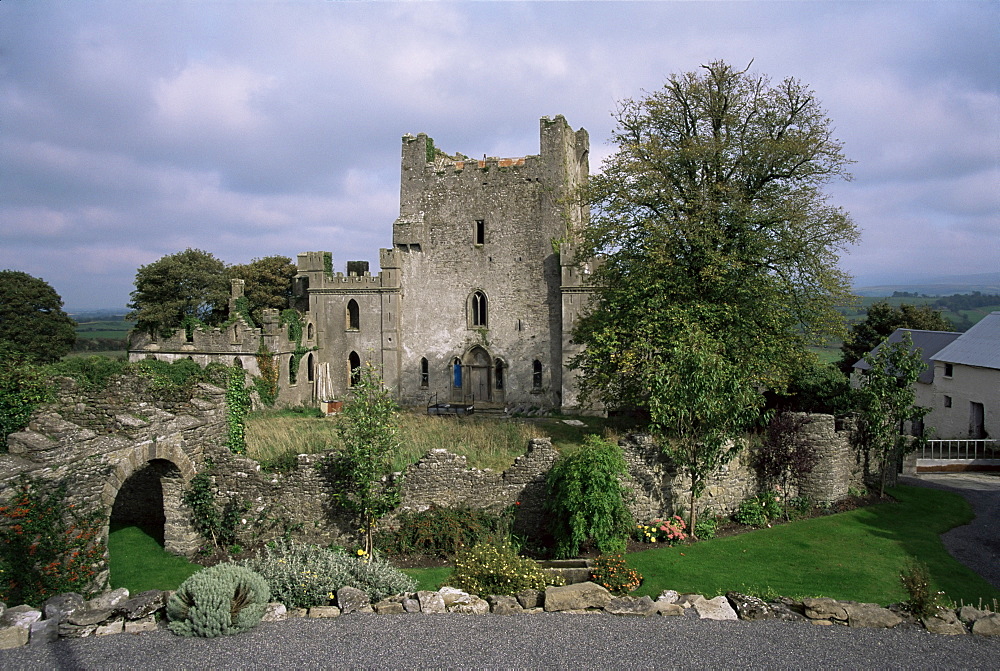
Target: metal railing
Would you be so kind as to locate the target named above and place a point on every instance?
(960, 449)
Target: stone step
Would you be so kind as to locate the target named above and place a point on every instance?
(571, 570)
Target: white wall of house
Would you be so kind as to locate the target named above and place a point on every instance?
(954, 396)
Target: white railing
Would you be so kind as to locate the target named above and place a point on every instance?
(960, 449)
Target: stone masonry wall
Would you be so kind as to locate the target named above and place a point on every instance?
(113, 447)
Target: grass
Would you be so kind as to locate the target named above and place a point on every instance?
(428, 578)
(139, 562)
(274, 438)
(855, 555)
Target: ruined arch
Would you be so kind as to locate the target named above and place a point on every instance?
(133, 482)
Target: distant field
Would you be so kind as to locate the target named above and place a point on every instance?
(96, 336)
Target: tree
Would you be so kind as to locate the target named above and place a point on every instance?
(364, 483)
(188, 285)
(715, 235)
(882, 319)
(887, 401)
(32, 320)
(268, 283)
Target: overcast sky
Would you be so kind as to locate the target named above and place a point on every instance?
(132, 130)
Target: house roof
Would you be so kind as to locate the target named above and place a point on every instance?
(979, 346)
(929, 343)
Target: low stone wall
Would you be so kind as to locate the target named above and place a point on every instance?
(69, 616)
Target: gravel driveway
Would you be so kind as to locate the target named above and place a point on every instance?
(523, 641)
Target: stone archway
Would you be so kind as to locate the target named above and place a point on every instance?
(147, 488)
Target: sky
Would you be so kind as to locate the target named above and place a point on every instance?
(132, 130)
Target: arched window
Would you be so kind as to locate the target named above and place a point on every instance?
(238, 362)
(310, 368)
(354, 366)
(536, 374)
(310, 331)
(353, 316)
(456, 366)
(424, 373)
(478, 310)
(498, 374)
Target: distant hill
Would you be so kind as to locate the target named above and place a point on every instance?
(987, 283)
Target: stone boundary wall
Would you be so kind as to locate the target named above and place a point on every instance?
(97, 441)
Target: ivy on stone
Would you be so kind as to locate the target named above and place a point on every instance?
(238, 404)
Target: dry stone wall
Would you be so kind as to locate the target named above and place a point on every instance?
(131, 455)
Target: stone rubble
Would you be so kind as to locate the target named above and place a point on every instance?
(70, 616)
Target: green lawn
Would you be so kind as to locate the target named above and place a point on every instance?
(139, 562)
(855, 555)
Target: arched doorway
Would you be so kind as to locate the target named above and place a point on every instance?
(150, 498)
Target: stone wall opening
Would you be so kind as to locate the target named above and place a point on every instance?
(151, 499)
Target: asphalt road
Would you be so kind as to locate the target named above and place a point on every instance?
(519, 641)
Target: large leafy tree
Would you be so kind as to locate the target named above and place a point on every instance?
(268, 283)
(882, 319)
(192, 284)
(720, 254)
(32, 320)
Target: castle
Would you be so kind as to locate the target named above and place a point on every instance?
(474, 303)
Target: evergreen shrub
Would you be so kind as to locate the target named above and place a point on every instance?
(218, 601)
(301, 575)
(759, 510)
(497, 569)
(442, 531)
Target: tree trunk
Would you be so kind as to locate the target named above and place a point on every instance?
(693, 519)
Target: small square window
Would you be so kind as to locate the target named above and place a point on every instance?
(949, 370)
(947, 401)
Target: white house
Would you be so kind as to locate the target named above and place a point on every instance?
(966, 386)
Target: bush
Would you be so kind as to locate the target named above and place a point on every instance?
(217, 601)
(23, 387)
(497, 569)
(706, 528)
(301, 575)
(587, 499)
(91, 372)
(46, 548)
(442, 531)
(916, 581)
(670, 531)
(759, 511)
(614, 574)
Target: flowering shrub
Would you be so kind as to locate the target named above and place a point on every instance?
(614, 574)
(670, 531)
(46, 547)
(497, 569)
(302, 575)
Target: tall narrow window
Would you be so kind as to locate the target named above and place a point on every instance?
(424, 373)
(353, 316)
(354, 364)
(478, 310)
(536, 374)
(480, 232)
(310, 331)
(498, 374)
(310, 368)
(456, 366)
